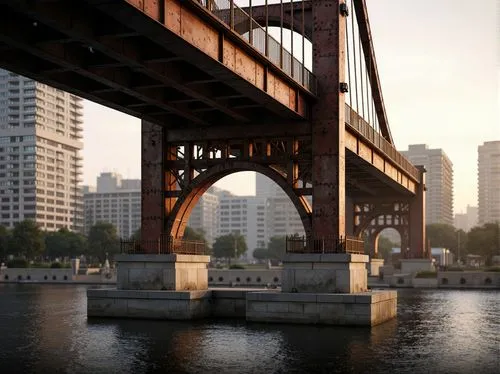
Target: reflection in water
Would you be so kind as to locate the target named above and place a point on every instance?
(45, 328)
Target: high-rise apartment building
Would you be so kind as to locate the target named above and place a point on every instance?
(439, 181)
(245, 215)
(40, 161)
(489, 182)
(282, 217)
(466, 221)
(116, 201)
(204, 215)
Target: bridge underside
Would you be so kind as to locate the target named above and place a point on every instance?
(212, 104)
(110, 53)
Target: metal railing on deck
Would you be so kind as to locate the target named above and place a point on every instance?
(251, 31)
(324, 245)
(164, 245)
(355, 121)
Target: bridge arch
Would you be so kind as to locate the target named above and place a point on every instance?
(178, 218)
(370, 219)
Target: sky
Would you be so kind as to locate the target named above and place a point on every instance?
(439, 71)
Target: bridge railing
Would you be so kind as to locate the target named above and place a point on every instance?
(355, 121)
(345, 244)
(240, 21)
(164, 245)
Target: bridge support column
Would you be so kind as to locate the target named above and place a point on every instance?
(418, 245)
(152, 181)
(328, 121)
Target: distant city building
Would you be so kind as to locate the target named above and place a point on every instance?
(40, 161)
(469, 219)
(245, 215)
(116, 201)
(204, 215)
(439, 181)
(282, 217)
(489, 182)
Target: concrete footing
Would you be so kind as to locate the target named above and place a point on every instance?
(316, 289)
(354, 309)
(173, 305)
(360, 309)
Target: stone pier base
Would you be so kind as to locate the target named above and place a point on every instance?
(173, 305)
(354, 309)
(174, 272)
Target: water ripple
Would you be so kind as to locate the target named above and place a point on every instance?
(45, 328)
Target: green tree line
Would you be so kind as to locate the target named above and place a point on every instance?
(27, 240)
(480, 240)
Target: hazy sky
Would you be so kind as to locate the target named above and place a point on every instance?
(438, 67)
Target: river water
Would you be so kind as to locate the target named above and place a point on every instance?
(44, 328)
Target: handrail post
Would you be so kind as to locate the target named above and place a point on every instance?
(231, 14)
(267, 29)
(291, 40)
(250, 30)
(281, 34)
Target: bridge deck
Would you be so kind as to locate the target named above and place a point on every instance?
(183, 66)
(188, 69)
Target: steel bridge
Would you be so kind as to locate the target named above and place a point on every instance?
(218, 93)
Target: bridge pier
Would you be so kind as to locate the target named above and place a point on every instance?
(322, 287)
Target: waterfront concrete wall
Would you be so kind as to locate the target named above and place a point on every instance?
(47, 275)
(468, 279)
(416, 265)
(229, 303)
(400, 280)
(424, 282)
(12, 275)
(245, 277)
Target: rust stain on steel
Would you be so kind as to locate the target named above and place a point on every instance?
(173, 16)
(229, 55)
(152, 8)
(199, 34)
(301, 105)
(245, 65)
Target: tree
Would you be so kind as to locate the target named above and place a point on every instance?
(103, 239)
(65, 243)
(276, 247)
(484, 240)
(229, 246)
(197, 235)
(5, 236)
(27, 239)
(384, 247)
(194, 234)
(261, 253)
(442, 235)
